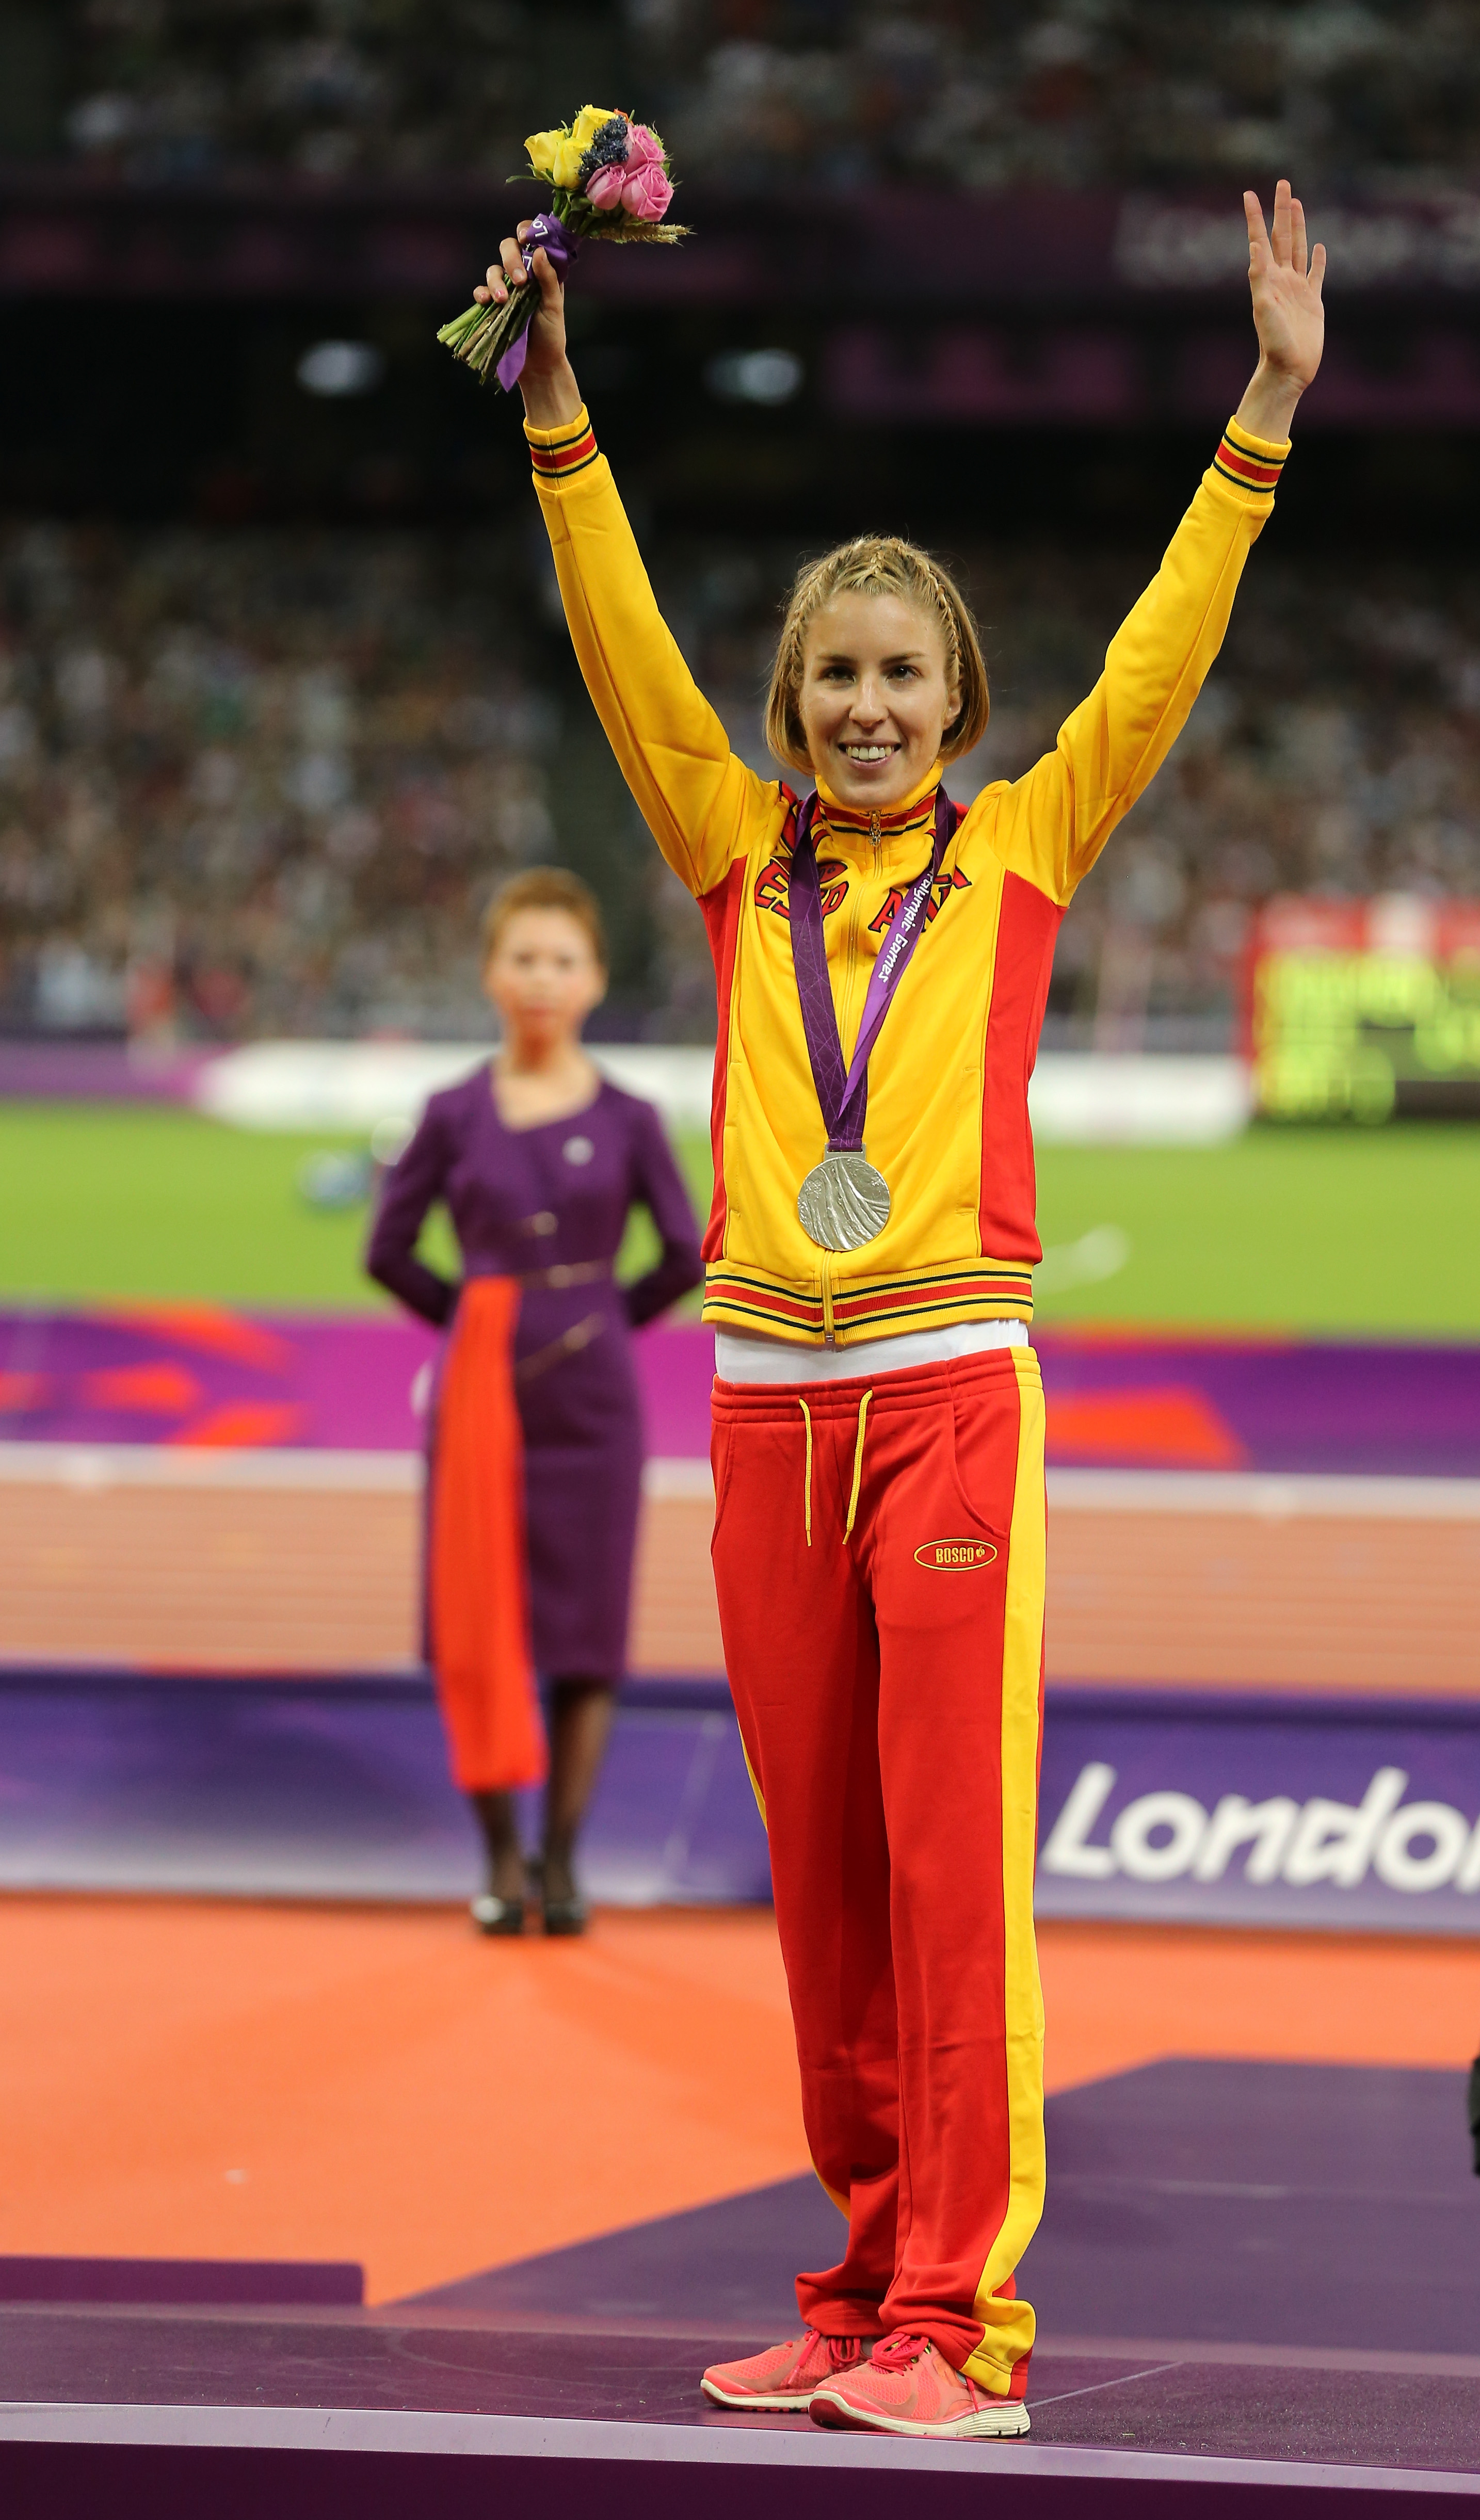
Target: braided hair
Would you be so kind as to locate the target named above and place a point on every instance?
(876, 565)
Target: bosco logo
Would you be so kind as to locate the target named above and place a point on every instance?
(952, 1555)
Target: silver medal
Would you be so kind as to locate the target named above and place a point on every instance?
(843, 1202)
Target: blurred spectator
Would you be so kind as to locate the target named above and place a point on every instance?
(1334, 750)
(958, 92)
(263, 782)
(257, 784)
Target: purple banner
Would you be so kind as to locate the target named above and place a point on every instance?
(1236, 1812)
(65, 232)
(200, 1374)
(204, 1375)
(1333, 1818)
(1126, 1401)
(316, 1790)
(97, 1071)
(973, 375)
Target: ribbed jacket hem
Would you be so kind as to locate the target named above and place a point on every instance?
(864, 1308)
(558, 455)
(1248, 468)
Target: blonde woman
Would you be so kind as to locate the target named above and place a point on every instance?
(883, 961)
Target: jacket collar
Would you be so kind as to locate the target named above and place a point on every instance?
(897, 818)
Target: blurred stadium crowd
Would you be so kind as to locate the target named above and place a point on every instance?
(970, 92)
(264, 783)
(252, 784)
(262, 779)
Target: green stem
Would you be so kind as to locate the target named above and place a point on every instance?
(480, 336)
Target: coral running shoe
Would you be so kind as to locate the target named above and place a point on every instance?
(781, 2381)
(909, 2387)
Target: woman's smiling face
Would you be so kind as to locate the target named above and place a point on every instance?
(878, 694)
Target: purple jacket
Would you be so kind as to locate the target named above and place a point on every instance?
(525, 1202)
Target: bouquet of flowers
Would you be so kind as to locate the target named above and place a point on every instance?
(609, 178)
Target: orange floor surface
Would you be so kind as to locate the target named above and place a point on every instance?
(188, 2078)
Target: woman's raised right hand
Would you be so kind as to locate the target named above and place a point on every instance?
(548, 382)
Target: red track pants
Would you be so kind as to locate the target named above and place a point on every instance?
(878, 1554)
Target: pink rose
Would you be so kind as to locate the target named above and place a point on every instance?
(604, 189)
(647, 192)
(643, 148)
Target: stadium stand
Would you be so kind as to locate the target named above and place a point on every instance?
(262, 781)
(1091, 91)
(272, 721)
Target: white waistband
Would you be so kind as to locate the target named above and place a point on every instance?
(747, 1358)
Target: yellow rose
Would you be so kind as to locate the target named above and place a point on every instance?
(542, 147)
(565, 170)
(588, 123)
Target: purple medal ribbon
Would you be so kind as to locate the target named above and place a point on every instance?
(844, 1097)
(562, 247)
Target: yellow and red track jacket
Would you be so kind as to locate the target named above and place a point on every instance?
(948, 1080)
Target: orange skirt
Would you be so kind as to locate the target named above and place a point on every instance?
(478, 1586)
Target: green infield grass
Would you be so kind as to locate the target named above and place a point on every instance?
(118, 1200)
(1300, 1230)
(1316, 1229)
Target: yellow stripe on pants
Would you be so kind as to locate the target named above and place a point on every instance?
(1009, 2324)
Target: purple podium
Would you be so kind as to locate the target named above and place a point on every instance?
(1256, 2293)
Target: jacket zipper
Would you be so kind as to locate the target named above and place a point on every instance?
(830, 1334)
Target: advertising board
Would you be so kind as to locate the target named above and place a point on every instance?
(1260, 1812)
(1365, 1009)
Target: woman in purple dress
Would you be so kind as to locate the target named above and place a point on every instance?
(539, 1161)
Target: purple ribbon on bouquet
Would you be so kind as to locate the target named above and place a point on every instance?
(562, 247)
(844, 1097)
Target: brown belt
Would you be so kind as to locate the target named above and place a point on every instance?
(569, 1343)
(574, 1273)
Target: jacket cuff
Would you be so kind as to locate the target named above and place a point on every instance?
(558, 453)
(1250, 465)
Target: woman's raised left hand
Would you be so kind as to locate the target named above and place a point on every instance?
(1284, 283)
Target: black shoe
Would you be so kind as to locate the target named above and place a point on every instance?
(493, 1915)
(567, 1916)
